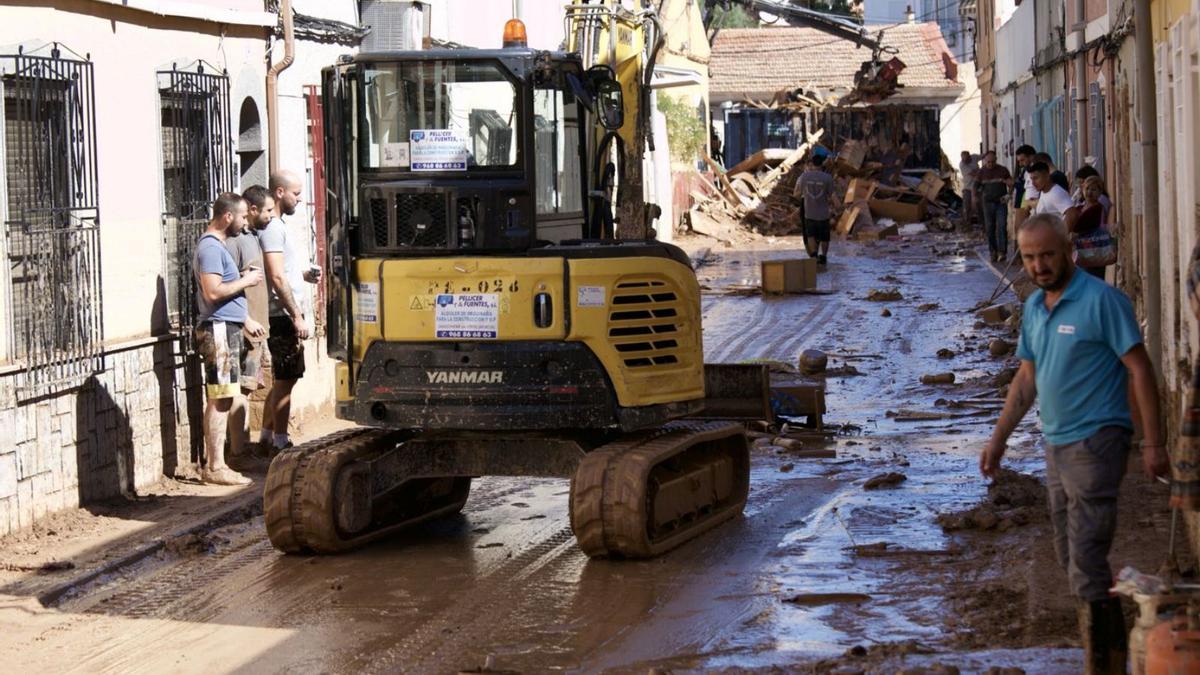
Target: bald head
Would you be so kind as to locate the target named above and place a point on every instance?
(1047, 221)
(285, 187)
(1045, 245)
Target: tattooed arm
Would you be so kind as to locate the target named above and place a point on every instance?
(1021, 394)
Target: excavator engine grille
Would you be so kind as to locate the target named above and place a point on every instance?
(643, 323)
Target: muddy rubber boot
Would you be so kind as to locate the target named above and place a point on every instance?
(1105, 640)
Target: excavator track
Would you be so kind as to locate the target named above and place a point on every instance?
(318, 496)
(643, 495)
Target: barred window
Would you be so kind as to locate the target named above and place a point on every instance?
(197, 165)
(51, 218)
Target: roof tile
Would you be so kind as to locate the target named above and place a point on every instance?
(754, 61)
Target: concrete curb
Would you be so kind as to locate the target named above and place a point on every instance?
(231, 512)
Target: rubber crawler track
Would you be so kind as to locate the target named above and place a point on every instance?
(609, 507)
(299, 501)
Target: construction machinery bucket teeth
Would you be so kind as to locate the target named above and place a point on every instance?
(648, 493)
(318, 499)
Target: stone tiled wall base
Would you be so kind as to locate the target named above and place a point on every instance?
(119, 432)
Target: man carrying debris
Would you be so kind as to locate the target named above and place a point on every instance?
(815, 186)
(992, 183)
(1080, 349)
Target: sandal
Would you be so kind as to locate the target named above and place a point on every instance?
(223, 476)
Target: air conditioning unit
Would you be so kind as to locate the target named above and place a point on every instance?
(395, 25)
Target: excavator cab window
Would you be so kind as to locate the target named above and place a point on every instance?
(439, 116)
(558, 168)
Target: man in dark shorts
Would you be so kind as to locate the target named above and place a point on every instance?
(221, 300)
(289, 276)
(247, 255)
(815, 187)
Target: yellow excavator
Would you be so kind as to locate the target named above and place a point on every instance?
(486, 314)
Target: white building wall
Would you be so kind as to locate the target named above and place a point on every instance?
(126, 56)
(1015, 47)
(961, 121)
(138, 418)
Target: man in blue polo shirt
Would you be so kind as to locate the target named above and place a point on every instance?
(1080, 349)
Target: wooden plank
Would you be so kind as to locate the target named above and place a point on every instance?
(764, 156)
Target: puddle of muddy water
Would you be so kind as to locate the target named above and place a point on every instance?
(817, 554)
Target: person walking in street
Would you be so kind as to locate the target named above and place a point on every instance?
(1080, 350)
(288, 276)
(221, 300)
(247, 255)
(992, 183)
(968, 167)
(1054, 198)
(815, 187)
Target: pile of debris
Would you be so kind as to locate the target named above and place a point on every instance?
(758, 192)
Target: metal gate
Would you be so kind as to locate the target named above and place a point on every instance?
(197, 164)
(51, 223)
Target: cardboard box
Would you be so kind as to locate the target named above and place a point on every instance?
(906, 209)
(860, 189)
(877, 233)
(789, 276)
(931, 185)
(852, 154)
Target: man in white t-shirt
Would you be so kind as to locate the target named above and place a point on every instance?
(968, 167)
(288, 276)
(1053, 198)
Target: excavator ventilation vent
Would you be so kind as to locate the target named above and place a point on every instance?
(642, 323)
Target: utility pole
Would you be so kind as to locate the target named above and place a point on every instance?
(1147, 114)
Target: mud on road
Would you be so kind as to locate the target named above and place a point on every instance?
(819, 575)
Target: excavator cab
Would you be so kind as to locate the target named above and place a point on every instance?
(459, 151)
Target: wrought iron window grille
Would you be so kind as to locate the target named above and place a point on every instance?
(197, 165)
(53, 299)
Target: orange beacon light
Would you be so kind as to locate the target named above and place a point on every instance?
(514, 34)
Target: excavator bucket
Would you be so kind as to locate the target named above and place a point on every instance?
(736, 391)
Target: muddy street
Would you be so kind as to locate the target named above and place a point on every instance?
(820, 574)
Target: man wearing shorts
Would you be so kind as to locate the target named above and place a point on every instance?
(221, 301)
(288, 275)
(815, 187)
(247, 255)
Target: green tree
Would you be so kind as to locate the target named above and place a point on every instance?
(685, 130)
(735, 16)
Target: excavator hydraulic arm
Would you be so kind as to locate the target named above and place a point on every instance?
(605, 33)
